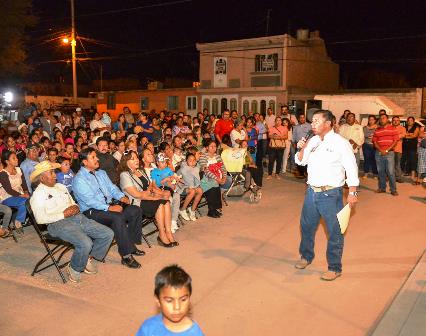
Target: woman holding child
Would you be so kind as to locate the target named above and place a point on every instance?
(137, 185)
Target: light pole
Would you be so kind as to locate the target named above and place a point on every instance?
(73, 58)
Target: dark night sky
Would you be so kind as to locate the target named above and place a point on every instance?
(152, 33)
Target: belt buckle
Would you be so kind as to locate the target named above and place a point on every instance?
(323, 188)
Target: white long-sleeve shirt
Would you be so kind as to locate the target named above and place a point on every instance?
(48, 203)
(328, 160)
(354, 132)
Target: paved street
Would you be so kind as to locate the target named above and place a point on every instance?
(242, 268)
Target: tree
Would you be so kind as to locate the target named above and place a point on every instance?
(15, 17)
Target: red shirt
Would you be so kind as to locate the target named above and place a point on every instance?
(223, 127)
(385, 136)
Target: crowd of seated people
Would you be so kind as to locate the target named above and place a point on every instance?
(111, 174)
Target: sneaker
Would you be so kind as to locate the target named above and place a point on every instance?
(394, 193)
(174, 227)
(73, 276)
(192, 215)
(269, 177)
(91, 267)
(302, 264)
(184, 214)
(278, 177)
(330, 275)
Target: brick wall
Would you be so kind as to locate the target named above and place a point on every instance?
(408, 99)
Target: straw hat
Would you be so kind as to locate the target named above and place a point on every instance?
(42, 167)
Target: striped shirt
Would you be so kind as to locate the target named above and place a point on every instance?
(385, 136)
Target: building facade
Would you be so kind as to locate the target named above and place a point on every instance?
(257, 73)
(175, 100)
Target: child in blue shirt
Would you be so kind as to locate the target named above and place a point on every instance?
(173, 291)
(163, 176)
(65, 175)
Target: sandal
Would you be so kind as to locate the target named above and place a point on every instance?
(3, 232)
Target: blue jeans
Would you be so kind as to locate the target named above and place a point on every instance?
(324, 204)
(369, 159)
(88, 237)
(18, 203)
(386, 167)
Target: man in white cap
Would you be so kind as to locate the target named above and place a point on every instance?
(52, 204)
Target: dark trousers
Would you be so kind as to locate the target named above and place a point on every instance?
(369, 159)
(260, 153)
(214, 198)
(275, 155)
(409, 160)
(127, 226)
(256, 174)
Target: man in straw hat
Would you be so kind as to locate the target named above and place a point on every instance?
(53, 205)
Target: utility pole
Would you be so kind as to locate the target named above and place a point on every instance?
(268, 18)
(73, 58)
(102, 84)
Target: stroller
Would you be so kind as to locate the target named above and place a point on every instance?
(234, 160)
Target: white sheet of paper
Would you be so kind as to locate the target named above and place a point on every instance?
(343, 218)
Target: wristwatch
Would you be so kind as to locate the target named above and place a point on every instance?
(353, 193)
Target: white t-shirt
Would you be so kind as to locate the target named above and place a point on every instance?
(235, 135)
(94, 124)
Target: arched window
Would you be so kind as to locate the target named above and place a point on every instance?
(246, 107)
(272, 105)
(254, 106)
(233, 104)
(206, 104)
(263, 106)
(223, 104)
(215, 106)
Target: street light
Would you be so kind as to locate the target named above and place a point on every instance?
(65, 40)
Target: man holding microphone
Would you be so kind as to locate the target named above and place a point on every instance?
(328, 157)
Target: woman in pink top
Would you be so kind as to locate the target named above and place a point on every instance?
(277, 136)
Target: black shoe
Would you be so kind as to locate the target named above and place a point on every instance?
(130, 262)
(139, 253)
(213, 214)
(161, 243)
(219, 213)
(174, 244)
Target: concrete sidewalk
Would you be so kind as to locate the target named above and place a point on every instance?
(406, 315)
(242, 269)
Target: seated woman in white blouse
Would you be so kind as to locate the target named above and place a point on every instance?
(136, 184)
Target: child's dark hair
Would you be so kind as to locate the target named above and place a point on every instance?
(188, 155)
(173, 276)
(61, 159)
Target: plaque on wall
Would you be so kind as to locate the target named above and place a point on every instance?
(220, 66)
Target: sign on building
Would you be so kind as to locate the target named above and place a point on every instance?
(220, 67)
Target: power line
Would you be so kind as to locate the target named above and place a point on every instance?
(380, 39)
(124, 10)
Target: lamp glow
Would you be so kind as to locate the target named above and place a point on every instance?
(8, 97)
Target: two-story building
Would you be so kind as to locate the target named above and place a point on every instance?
(256, 73)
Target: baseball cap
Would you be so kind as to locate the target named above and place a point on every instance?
(161, 157)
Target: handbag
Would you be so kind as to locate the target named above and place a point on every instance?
(277, 143)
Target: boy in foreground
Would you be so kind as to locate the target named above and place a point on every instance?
(173, 291)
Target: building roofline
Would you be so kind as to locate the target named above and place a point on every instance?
(255, 41)
(143, 90)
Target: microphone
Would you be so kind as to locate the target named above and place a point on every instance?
(308, 135)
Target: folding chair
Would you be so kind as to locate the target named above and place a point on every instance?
(60, 247)
(146, 222)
